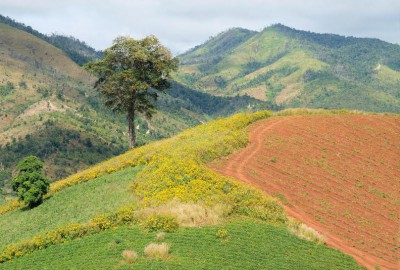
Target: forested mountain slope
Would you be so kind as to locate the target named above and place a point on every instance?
(295, 68)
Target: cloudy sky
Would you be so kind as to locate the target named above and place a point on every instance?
(182, 24)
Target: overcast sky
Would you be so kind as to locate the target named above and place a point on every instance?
(183, 24)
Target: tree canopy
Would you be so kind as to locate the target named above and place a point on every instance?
(130, 73)
(30, 184)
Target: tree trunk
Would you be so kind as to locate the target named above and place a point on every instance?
(131, 128)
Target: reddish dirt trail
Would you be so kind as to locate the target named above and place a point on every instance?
(339, 174)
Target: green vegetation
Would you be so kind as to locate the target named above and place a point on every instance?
(130, 88)
(77, 50)
(174, 171)
(166, 223)
(53, 113)
(251, 245)
(64, 150)
(6, 89)
(30, 184)
(295, 68)
(77, 204)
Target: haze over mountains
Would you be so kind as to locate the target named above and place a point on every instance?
(295, 68)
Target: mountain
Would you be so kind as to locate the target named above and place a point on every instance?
(48, 108)
(295, 68)
(77, 50)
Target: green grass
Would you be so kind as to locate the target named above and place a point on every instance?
(76, 204)
(251, 245)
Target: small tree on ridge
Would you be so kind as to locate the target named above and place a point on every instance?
(128, 75)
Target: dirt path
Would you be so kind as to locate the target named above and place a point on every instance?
(249, 165)
(244, 156)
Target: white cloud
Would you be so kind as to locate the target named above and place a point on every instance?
(182, 24)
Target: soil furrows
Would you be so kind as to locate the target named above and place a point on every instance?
(337, 202)
(337, 173)
(314, 183)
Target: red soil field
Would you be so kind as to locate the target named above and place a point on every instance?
(339, 174)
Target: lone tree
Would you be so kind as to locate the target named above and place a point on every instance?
(30, 184)
(129, 74)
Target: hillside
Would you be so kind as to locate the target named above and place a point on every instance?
(295, 68)
(49, 109)
(77, 50)
(210, 221)
(336, 173)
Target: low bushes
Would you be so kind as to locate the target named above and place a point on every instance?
(159, 222)
(69, 232)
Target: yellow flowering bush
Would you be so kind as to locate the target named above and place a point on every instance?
(11, 205)
(159, 222)
(178, 171)
(69, 232)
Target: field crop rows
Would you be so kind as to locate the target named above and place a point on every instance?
(250, 245)
(76, 204)
(338, 173)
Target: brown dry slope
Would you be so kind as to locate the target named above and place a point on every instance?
(339, 174)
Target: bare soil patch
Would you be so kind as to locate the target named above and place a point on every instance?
(339, 174)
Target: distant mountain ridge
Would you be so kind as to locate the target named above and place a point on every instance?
(296, 68)
(76, 49)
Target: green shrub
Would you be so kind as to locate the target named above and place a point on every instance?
(30, 184)
(222, 234)
(167, 223)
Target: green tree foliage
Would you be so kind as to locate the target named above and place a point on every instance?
(6, 89)
(30, 184)
(129, 73)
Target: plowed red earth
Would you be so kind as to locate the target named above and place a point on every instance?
(339, 174)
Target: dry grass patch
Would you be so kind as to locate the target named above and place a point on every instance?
(157, 251)
(187, 214)
(304, 232)
(130, 256)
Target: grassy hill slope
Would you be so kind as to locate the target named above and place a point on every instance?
(295, 68)
(49, 109)
(159, 184)
(252, 245)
